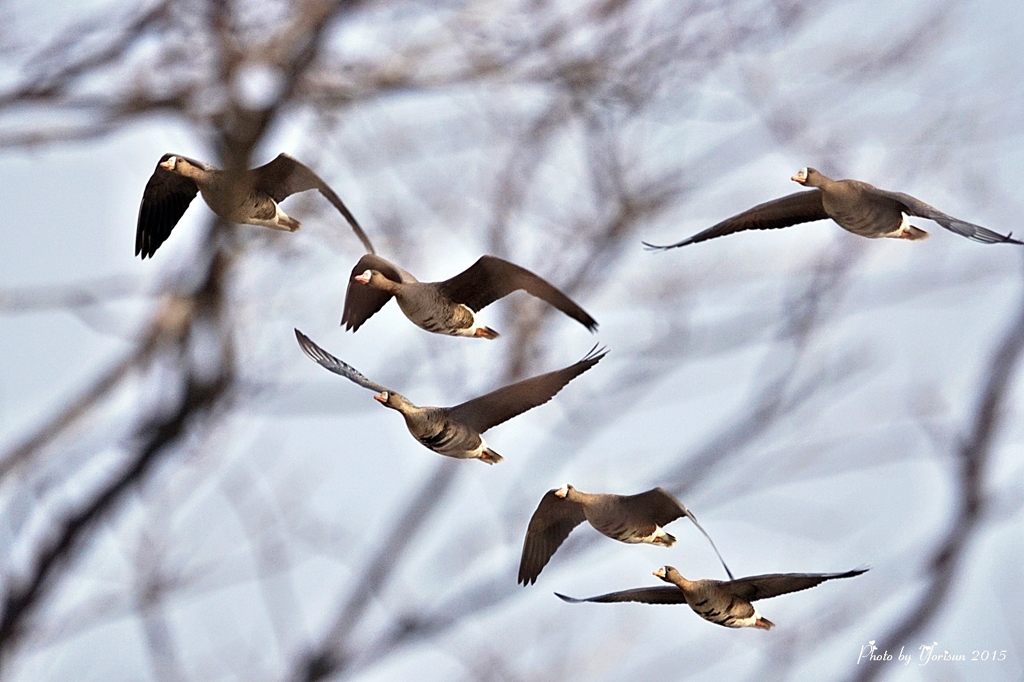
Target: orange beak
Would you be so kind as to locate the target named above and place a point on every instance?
(381, 397)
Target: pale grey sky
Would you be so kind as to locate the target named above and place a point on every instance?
(834, 486)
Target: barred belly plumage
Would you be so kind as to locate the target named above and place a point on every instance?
(439, 440)
(871, 223)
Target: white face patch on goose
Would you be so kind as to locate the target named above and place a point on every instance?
(169, 163)
(363, 278)
(801, 176)
(562, 492)
(381, 397)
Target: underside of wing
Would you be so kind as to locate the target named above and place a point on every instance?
(362, 301)
(661, 594)
(491, 278)
(801, 207)
(915, 207)
(285, 176)
(663, 508)
(164, 201)
(660, 505)
(328, 361)
(550, 525)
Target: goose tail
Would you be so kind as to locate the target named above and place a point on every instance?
(490, 456)
(486, 333)
(912, 233)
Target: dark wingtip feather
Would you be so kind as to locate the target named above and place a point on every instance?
(313, 351)
(587, 321)
(655, 247)
(595, 354)
(665, 247)
(571, 600)
(305, 342)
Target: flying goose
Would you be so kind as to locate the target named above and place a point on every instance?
(250, 197)
(627, 518)
(722, 602)
(856, 206)
(455, 431)
(447, 307)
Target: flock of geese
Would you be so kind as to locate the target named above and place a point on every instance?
(450, 307)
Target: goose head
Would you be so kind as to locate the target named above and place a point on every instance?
(666, 573)
(809, 177)
(183, 166)
(563, 492)
(375, 279)
(393, 400)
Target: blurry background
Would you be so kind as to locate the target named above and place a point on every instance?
(185, 496)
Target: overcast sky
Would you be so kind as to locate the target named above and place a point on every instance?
(862, 479)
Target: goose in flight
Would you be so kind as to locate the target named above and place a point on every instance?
(250, 197)
(856, 206)
(725, 603)
(455, 431)
(447, 307)
(627, 518)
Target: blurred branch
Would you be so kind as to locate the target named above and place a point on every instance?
(96, 292)
(58, 67)
(779, 393)
(332, 654)
(200, 395)
(564, 130)
(152, 589)
(167, 327)
(973, 456)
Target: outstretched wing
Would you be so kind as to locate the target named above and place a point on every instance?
(801, 207)
(164, 201)
(285, 176)
(663, 507)
(916, 207)
(362, 300)
(661, 594)
(491, 278)
(549, 526)
(328, 361)
(766, 586)
(498, 406)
